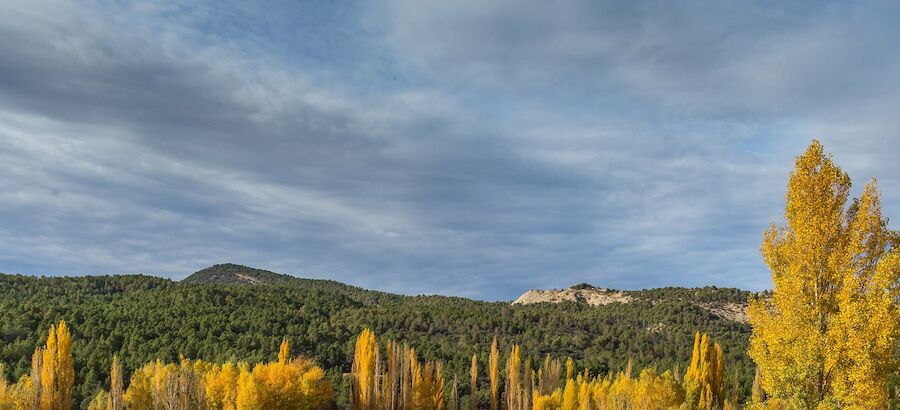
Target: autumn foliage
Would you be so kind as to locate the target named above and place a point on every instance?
(289, 383)
(283, 384)
(401, 381)
(827, 336)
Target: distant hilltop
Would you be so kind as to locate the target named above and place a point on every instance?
(584, 293)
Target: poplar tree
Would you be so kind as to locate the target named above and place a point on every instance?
(512, 378)
(825, 338)
(56, 369)
(116, 389)
(495, 375)
(363, 371)
(473, 383)
(65, 366)
(704, 381)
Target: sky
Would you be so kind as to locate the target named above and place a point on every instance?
(468, 148)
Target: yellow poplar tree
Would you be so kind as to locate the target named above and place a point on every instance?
(222, 384)
(570, 395)
(473, 383)
(363, 371)
(57, 370)
(66, 365)
(826, 336)
(100, 401)
(512, 378)
(495, 375)
(704, 381)
(49, 395)
(116, 389)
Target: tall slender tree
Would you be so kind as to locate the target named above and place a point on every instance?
(116, 388)
(363, 371)
(495, 375)
(512, 378)
(826, 336)
(473, 383)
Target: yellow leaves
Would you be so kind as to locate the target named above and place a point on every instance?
(428, 387)
(116, 386)
(222, 386)
(363, 371)
(513, 393)
(284, 352)
(546, 402)
(648, 391)
(100, 401)
(495, 375)
(473, 383)
(65, 366)
(704, 381)
(6, 396)
(53, 372)
(402, 382)
(825, 337)
(285, 384)
(570, 395)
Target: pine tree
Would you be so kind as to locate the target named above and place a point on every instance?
(826, 336)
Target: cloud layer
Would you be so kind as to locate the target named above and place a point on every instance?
(470, 149)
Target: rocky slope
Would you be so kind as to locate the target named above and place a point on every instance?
(732, 308)
(590, 295)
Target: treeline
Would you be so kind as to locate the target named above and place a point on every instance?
(394, 379)
(141, 319)
(287, 383)
(397, 380)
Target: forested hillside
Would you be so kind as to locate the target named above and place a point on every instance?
(142, 318)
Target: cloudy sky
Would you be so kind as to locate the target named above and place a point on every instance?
(469, 148)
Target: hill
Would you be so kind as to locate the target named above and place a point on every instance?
(216, 315)
(229, 274)
(728, 304)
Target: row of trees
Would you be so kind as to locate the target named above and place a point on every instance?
(49, 385)
(401, 382)
(288, 383)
